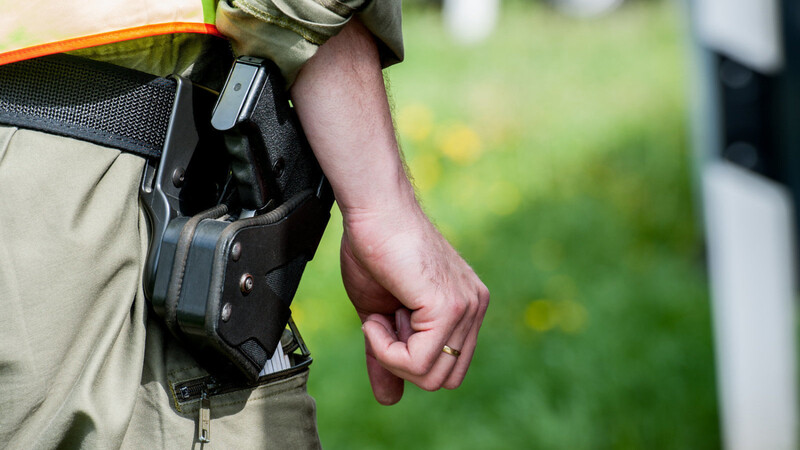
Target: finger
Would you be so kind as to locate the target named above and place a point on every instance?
(462, 363)
(460, 370)
(411, 359)
(450, 370)
(382, 339)
(445, 362)
(385, 345)
(402, 319)
(405, 360)
(386, 387)
(425, 346)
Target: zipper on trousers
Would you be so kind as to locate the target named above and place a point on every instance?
(204, 424)
(202, 389)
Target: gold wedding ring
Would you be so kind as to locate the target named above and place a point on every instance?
(451, 351)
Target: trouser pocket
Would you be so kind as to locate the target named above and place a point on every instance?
(223, 402)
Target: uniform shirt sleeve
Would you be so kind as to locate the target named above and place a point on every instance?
(289, 32)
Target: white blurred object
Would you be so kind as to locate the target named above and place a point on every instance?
(586, 8)
(750, 229)
(470, 21)
(746, 30)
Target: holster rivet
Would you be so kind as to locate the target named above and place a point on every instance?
(178, 177)
(236, 251)
(226, 312)
(246, 283)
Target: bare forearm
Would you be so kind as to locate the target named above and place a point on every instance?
(413, 292)
(341, 100)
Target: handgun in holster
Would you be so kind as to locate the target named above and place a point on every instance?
(237, 206)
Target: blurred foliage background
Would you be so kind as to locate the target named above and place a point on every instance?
(554, 156)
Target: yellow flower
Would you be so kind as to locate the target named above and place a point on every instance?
(461, 144)
(544, 315)
(540, 315)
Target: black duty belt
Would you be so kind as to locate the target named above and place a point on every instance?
(88, 100)
(235, 199)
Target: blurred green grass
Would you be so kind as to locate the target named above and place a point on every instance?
(554, 156)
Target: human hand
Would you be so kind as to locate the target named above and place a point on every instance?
(414, 294)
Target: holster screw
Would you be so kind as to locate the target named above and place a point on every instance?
(246, 283)
(236, 251)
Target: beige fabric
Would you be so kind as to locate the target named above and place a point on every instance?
(36, 22)
(289, 32)
(77, 368)
(161, 55)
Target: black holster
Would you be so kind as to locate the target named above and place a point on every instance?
(237, 207)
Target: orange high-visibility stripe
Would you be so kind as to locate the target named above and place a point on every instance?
(107, 38)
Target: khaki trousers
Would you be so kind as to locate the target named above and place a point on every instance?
(81, 364)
